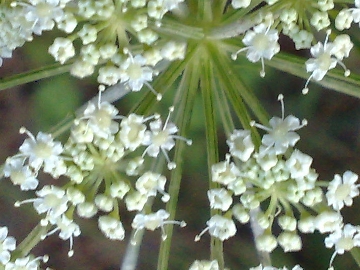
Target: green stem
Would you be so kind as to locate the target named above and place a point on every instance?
(34, 75)
(173, 28)
(185, 97)
(207, 89)
(33, 238)
(334, 79)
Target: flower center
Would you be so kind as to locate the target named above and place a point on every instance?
(260, 42)
(345, 243)
(161, 138)
(134, 132)
(51, 201)
(342, 192)
(325, 61)
(280, 132)
(18, 177)
(239, 145)
(134, 71)
(43, 10)
(42, 150)
(103, 118)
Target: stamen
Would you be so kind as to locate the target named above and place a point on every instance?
(197, 237)
(23, 130)
(306, 89)
(158, 95)
(281, 99)
(235, 54)
(19, 203)
(328, 32)
(262, 72)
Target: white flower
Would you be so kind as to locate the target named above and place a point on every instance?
(307, 224)
(101, 119)
(109, 75)
(220, 227)
(343, 46)
(62, 49)
(51, 200)
(240, 213)
(150, 183)
(42, 14)
(68, 230)
(287, 223)
(298, 164)
(342, 190)
(132, 131)
(153, 221)
(173, 51)
(88, 34)
(344, 239)
(356, 12)
(328, 221)
(111, 227)
(74, 195)
(42, 150)
(67, 22)
(261, 43)
(344, 19)
(7, 244)
(219, 198)
(204, 265)
(320, 20)
(82, 69)
(240, 3)
(140, 22)
(325, 58)
(281, 131)
(156, 9)
(20, 174)
(240, 144)
(290, 241)
(135, 201)
(266, 159)
(119, 189)
(162, 137)
(86, 209)
(302, 39)
(266, 242)
(134, 72)
(225, 172)
(104, 202)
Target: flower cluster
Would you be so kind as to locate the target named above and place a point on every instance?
(110, 160)
(105, 30)
(104, 163)
(278, 183)
(289, 18)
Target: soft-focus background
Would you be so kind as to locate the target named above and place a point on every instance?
(331, 138)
